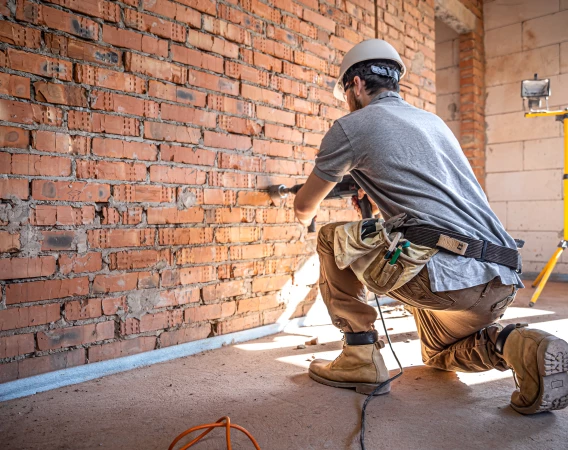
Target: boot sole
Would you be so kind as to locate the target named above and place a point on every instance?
(552, 358)
(360, 388)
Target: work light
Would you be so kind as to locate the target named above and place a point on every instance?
(534, 91)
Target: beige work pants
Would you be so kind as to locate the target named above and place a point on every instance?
(456, 328)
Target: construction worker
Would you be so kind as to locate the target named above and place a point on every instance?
(408, 162)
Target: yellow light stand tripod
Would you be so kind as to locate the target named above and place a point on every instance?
(540, 282)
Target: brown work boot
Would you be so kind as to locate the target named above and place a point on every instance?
(358, 366)
(540, 363)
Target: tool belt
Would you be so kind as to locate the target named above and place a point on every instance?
(386, 255)
(451, 242)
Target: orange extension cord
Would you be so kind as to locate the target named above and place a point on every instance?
(228, 425)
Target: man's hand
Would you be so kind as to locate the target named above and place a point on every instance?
(310, 196)
(355, 201)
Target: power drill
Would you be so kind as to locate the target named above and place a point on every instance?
(346, 188)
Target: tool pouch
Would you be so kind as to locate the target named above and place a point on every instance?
(363, 246)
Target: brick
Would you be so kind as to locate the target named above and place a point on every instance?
(137, 41)
(272, 148)
(231, 105)
(253, 251)
(231, 179)
(199, 255)
(275, 115)
(58, 240)
(213, 82)
(176, 94)
(139, 259)
(196, 58)
(227, 30)
(287, 249)
(247, 73)
(100, 77)
(70, 191)
(161, 216)
(14, 85)
(271, 283)
(111, 170)
(60, 93)
(77, 335)
(240, 162)
(121, 348)
(124, 104)
(44, 215)
(14, 187)
(139, 193)
(257, 303)
(83, 309)
(104, 123)
(209, 312)
(188, 275)
(283, 133)
(238, 324)
(173, 11)
(168, 132)
(218, 197)
(230, 215)
(49, 141)
(13, 137)
(22, 164)
(251, 198)
(169, 338)
(155, 68)
(237, 234)
(15, 345)
(96, 8)
(46, 290)
(300, 26)
(321, 21)
(184, 236)
(261, 95)
(116, 238)
(57, 19)
(162, 28)
(267, 62)
(188, 115)
(226, 141)
(84, 51)
(19, 35)
(57, 361)
(27, 113)
(187, 155)
(177, 175)
(177, 297)
(91, 262)
(9, 242)
(124, 282)
(239, 125)
(118, 148)
(13, 268)
(13, 318)
(213, 44)
(281, 233)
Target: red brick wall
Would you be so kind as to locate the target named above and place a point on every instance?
(138, 139)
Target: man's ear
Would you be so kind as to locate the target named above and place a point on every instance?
(359, 86)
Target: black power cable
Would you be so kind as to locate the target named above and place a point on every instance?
(384, 383)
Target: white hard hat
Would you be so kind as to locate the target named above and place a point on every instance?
(365, 51)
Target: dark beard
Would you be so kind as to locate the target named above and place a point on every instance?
(357, 103)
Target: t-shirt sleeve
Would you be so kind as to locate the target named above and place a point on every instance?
(335, 157)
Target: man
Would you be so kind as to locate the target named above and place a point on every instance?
(408, 161)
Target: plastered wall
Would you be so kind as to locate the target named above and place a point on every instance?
(525, 156)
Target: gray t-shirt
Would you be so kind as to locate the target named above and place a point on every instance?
(409, 161)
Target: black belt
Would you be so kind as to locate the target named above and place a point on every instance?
(483, 251)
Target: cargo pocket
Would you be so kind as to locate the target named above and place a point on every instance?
(417, 293)
(501, 305)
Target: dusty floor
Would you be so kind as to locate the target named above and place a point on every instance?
(263, 386)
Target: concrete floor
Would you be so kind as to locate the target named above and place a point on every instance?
(263, 385)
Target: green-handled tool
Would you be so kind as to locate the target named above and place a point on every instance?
(398, 251)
